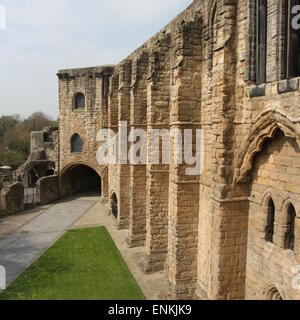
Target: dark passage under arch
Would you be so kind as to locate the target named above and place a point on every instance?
(80, 178)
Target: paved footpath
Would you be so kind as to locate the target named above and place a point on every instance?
(25, 237)
(20, 248)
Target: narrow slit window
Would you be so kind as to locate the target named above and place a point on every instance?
(270, 221)
(261, 37)
(290, 234)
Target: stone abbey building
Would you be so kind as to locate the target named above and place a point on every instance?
(230, 68)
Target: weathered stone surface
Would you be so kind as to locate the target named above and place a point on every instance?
(47, 189)
(12, 198)
(199, 72)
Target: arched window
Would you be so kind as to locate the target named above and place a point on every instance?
(289, 242)
(114, 205)
(79, 101)
(292, 35)
(261, 41)
(270, 221)
(272, 293)
(76, 144)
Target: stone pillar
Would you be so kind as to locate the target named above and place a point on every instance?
(124, 121)
(158, 101)
(113, 168)
(229, 249)
(184, 187)
(104, 186)
(104, 91)
(228, 207)
(297, 235)
(138, 180)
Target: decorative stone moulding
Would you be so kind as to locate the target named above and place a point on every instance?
(263, 128)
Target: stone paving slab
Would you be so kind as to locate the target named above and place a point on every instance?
(19, 249)
(9, 224)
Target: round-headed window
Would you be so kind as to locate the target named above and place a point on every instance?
(76, 144)
(272, 293)
(79, 101)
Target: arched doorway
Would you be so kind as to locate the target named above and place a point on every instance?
(80, 178)
(32, 178)
(114, 205)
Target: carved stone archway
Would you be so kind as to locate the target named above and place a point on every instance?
(266, 126)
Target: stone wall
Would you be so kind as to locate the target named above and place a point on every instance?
(275, 176)
(204, 231)
(46, 140)
(47, 189)
(12, 198)
(86, 122)
(37, 166)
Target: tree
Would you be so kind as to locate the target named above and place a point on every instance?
(6, 123)
(15, 136)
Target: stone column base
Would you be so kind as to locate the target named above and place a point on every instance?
(200, 294)
(153, 263)
(122, 224)
(104, 200)
(136, 241)
(179, 291)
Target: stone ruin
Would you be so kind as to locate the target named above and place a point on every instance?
(232, 232)
(40, 166)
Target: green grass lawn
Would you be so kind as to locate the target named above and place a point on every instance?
(83, 264)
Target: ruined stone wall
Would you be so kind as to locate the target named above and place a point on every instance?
(197, 73)
(275, 176)
(37, 166)
(47, 189)
(51, 140)
(47, 141)
(12, 198)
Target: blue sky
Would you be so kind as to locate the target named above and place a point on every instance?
(43, 36)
